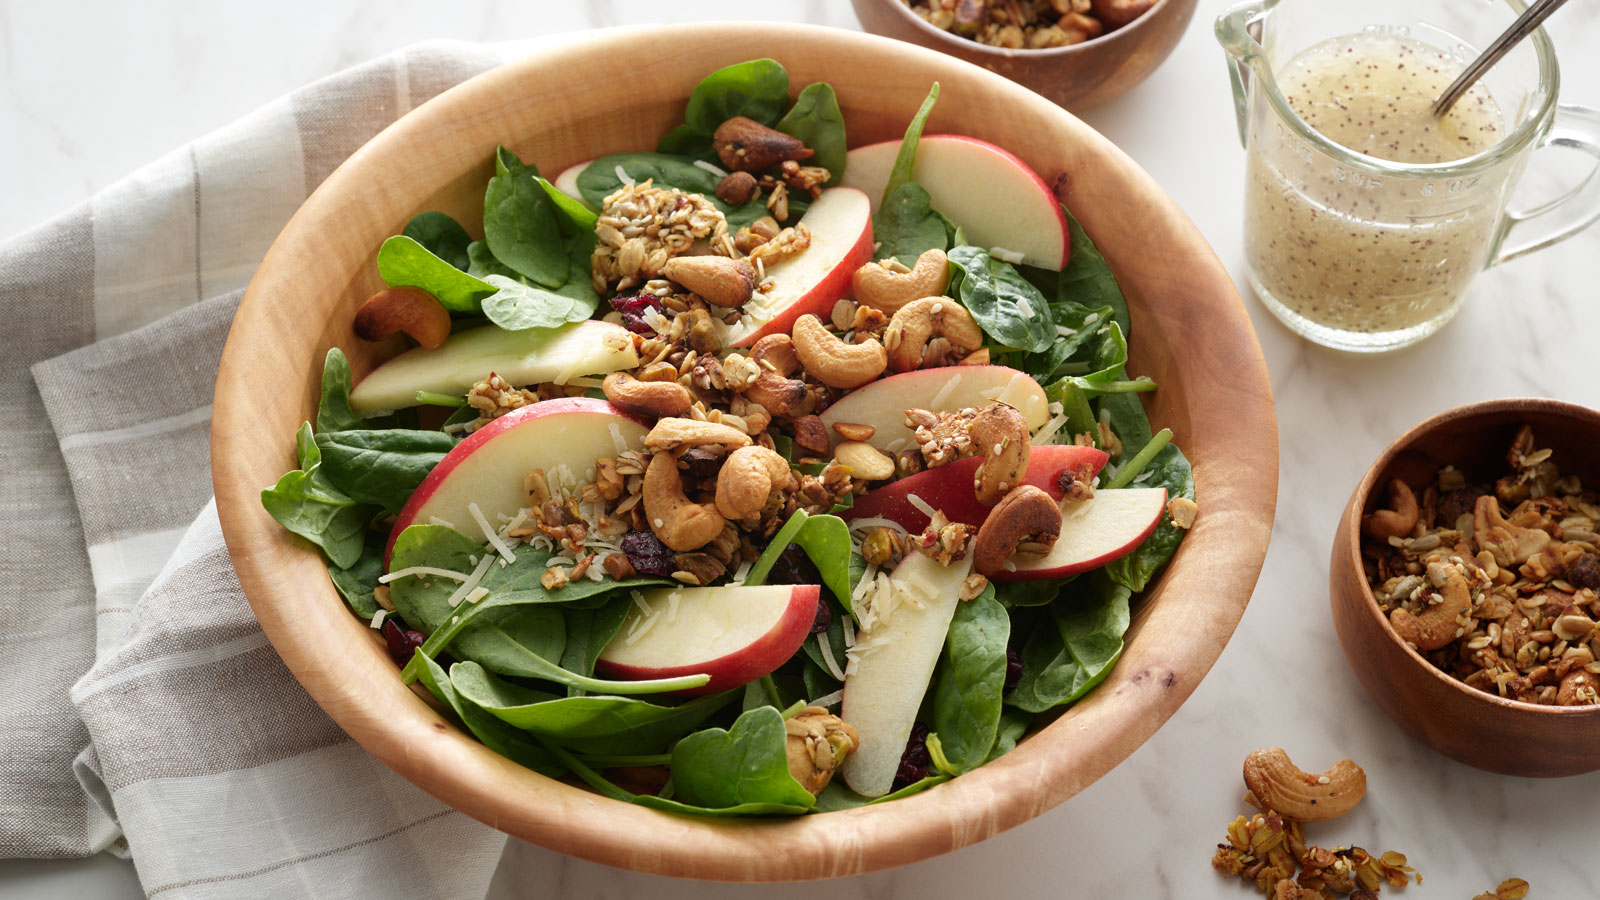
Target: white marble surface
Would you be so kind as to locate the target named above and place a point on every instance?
(89, 92)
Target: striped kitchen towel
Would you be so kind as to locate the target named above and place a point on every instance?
(147, 712)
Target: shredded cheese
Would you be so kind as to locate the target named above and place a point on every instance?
(1048, 431)
(1011, 256)
(478, 593)
(435, 520)
(829, 699)
(944, 393)
(827, 655)
(623, 176)
(921, 505)
(616, 438)
(421, 570)
(849, 632)
(711, 168)
(471, 583)
(1025, 306)
(377, 618)
(490, 534)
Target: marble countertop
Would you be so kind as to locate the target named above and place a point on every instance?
(144, 79)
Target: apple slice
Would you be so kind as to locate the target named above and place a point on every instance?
(840, 222)
(567, 181)
(995, 196)
(1094, 533)
(883, 403)
(488, 467)
(520, 357)
(895, 658)
(949, 487)
(735, 634)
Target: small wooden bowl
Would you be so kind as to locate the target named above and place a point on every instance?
(1468, 725)
(1077, 77)
(1191, 334)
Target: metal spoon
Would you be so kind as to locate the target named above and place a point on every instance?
(1521, 28)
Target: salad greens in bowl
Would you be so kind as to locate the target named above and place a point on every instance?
(787, 452)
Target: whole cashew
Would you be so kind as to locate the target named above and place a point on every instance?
(654, 398)
(919, 321)
(748, 477)
(881, 287)
(675, 434)
(1027, 514)
(409, 309)
(1283, 788)
(679, 523)
(1001, 435)
(721, 280)
(1510, 545)
(776, 388)
(1399, 519)
(832, 361)
(1435, 626)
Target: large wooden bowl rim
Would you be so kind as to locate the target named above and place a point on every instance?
(1358, 505)
(1040, 53)
(1199, 326)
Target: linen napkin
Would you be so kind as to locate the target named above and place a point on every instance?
(183, 740)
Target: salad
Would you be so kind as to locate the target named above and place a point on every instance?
(752, 475)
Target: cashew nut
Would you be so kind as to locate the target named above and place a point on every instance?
(1399, 519)
(717, 279)
(1001, 434)
(1509, 544)
(1026, 515)
(1435, 626)
(832, 361)
(1578, 687)
(676, 433)
(920, 321)
(1281, 787)
(880, 286)
(775, 388)
(654, 398)
(866, 462)
(409, 309)
(748, 478)
(680, 524)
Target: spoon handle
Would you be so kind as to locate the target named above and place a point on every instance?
(1532, 18)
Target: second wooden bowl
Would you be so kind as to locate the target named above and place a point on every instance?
(1463, 723)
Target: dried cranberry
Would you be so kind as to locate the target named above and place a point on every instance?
(793, 566)
(824, 617)
(915, 763)
(634, 310)
(1586, 571)
(402, 642)
(648, 555)
(1013, 667)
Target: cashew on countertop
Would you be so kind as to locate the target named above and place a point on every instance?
(1280, 786)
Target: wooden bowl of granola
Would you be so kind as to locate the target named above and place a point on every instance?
(1544, 602)
(1077, 76)
(1191, 334)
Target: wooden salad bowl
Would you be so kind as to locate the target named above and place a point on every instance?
(1468, 725)
(1077, 77)
(1190, 333)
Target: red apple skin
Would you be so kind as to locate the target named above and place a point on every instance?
(1086, 564)
(1066, 247)
(820, 299)
(949, 487)
(436, 477)
(742, 666)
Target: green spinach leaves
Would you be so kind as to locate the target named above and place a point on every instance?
(1074, 647)
(1008, 309)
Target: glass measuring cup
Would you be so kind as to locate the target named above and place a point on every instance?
(1364, 254)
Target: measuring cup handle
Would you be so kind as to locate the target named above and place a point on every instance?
(1522, 233)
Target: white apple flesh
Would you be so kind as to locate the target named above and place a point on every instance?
(883, 403)
(995, 196)
(567, 181)
(840, 222)
(1095, 532)
(948, 488)
(895, 659)
(735, 634)
(488, 467)
(533, 356)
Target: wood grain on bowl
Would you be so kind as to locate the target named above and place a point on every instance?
(1191, 333)
(1465, 724)
(1077, 76)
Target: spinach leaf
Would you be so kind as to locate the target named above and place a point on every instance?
(588, 633)
(441, 235)
(482, 264)
(1013, 725)
(1087, 279)
(571, 215)
(356, 582)
(1170, 469)
(333, 411)
(1005, 305)
(1061, 663)
(966, 703)
(1015, 594)
(1085, 329)
(906, 160)
(813, 651)
(747, 763)
(516, 306)
(306, 502)
(826, 540)
(836, 796)
(381, 467)
(815, 120)
(519, 222)
(585, 724)
(607, 789)
(493, 733)
(686, 141)
(758, 89)
(599, 180)
(906, 226)
(405, 263)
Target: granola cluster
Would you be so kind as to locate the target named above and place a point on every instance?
(1510, 570)
(1267, 850)
(1027, 24)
